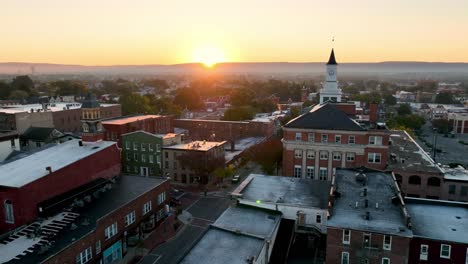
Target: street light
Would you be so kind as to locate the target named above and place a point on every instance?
(434, 145)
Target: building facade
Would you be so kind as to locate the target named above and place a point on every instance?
(142, 153)
(318, 142)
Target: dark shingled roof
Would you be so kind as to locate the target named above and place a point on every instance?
(90, 102)
(37, 133)
(332, 60)
(325, 116)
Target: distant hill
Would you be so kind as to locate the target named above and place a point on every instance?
(313, 68)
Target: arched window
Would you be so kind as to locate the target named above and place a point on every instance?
(414, 179)
(85, 127)
(9, 216)
(433, 181)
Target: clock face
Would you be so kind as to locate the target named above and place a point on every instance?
(331, 72)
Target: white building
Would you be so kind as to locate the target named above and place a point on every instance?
(330, 90)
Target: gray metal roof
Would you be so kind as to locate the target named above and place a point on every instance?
(386, 217)
(287, 190)
(439, 220)
(327, 117)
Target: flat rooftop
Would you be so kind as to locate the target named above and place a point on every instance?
(385, 216)
(125, 190)
(406, 154)
(51, 107)
(285, 190)
(25, 170)
(129, 119)
(238, 234)
(456, 174)
(439, 220)
(197, 145)
(249, 220)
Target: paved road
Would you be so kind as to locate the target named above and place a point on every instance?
(204, 211)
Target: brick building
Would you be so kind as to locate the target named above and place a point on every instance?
(326, 138)
(419, 176)
(28, 183)
(439, 231)
(368, 220)
(204, 155)
(154, 124)
(99, 225)
(64, 117)
(459, 121)
(217, 130)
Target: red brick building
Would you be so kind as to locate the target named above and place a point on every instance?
(439, 231)
(98, 229)
(368, 221)
(27, 182)
(326, 138)
(155, 124)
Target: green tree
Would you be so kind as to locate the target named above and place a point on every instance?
(23, 83)
(18, 95)
(239, 113)
(69, 87)
(188, 98)
(404, 109)
(242, 96)
(133, 103)
(389, 99)
(268, 154)
(444, 98)
(406, 122)
(442, 125)
(5, 90)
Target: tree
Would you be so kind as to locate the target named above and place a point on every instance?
(442, 125)
(389, 99)
(69, 88)
(135, 104)
(404, 109)
(444, 98)
(268, 154)
(5, 90)
(163, 105)
(23, 83)
(201, 163)
(239, 113)
(188, 98)
(242, 96)
(18, 95)
(223, 173)
(406, 122)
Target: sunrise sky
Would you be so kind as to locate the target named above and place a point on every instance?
(104, 32)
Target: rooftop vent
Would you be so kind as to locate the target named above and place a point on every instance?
(49, 169)
(361, 177)
(80, 143)
(376, 205)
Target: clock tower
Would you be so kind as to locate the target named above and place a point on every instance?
(330, 90)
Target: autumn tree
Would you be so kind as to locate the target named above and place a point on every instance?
(268, 154)
(201, 163)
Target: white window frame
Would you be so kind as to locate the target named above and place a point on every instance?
(385, 261)
(135, 146)
(466, 256)
(158, 159)
(143, 158)
(350, 157)
(375, 140)
(372, 157)
(311, 137)
(147, 207)
(151, 158)
(424, 252)
(85, 256)
(130, 218)
(135, 156)
(128, 156)
(338, 139)
(449, 251)
(298, 153)
(9, 211)
(127, 145)
(336, 155)
(150, 147)
(111, 231)
(353, 141)
(324, 138)
(98, 247)
(364, 240)
(348, 236)
(387, 246)
(323, 174)
(161, 198)
(298, 136)
(310, 172)
(344, 257)
(324, 155)
(297, 171)
(310, 154)
(143, 146)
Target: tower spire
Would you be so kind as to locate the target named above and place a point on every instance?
(332, 60)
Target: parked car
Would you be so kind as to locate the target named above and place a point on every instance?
(175, 202)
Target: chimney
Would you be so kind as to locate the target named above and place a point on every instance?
(49, 169)
(80, 143)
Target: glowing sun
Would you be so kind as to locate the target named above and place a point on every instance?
(208, 56)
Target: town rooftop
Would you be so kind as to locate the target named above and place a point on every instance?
(128, 119)
(196, 145)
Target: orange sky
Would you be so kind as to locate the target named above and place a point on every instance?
(104, 32)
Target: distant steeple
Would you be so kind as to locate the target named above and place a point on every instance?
(332, 60)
